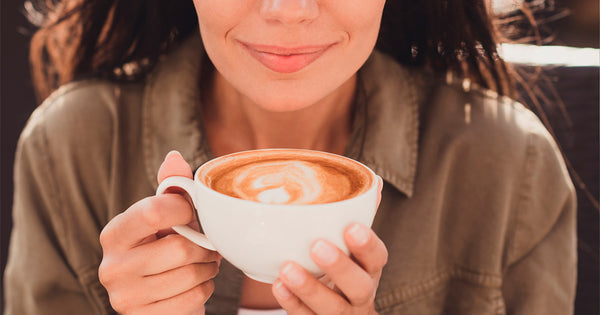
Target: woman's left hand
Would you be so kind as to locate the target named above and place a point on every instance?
(356, 279)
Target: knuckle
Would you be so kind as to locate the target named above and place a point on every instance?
(151, 214)
(384, 258)
(119, 302)
(107, 272)
(379, 259)
(107, 235)
(185, 251)
(103, 274)
(179, 246)
(213, 270)
(188, 253)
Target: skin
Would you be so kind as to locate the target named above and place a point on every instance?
(250, 106)
(146, 267)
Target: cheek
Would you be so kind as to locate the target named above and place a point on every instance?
(362, 17)
(356, 18)
(220, 16)
(217, 19)
(361, 20)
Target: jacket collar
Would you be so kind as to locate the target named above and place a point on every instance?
(392, 95)
(386, 127)
(171, 109)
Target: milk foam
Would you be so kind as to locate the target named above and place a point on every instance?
(276, 196)
(287, 177)
(284, 182)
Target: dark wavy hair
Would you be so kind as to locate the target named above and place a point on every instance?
(123, 39)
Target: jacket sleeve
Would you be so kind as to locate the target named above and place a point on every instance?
(541, 261)
(44, 274)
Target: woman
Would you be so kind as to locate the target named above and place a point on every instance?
(477, 215)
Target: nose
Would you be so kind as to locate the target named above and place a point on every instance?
(290, 12)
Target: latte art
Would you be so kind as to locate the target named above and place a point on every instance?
(288, 177)
(289, 182)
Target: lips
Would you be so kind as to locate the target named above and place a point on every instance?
(285, 59)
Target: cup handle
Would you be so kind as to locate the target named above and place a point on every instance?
(184, 230)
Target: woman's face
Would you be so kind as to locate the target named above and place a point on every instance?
(288, 54)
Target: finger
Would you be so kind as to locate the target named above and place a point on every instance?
(350, 278)
(185, 303)
(174, 165)
(379, 189)
(170, 252)
(287, 300)
(176, 281)
(310, 291)
(368, 249)
(144, 218)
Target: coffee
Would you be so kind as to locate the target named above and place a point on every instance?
(287, 177)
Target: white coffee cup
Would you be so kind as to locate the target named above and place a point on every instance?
(258, 238)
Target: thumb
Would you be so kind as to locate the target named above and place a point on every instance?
(174, 165)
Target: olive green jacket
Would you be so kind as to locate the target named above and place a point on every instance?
(478, 211)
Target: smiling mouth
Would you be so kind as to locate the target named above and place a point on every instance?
(285, 59)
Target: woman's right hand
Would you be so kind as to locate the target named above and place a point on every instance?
(149, 269)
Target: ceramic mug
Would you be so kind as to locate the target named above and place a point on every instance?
(258, 237)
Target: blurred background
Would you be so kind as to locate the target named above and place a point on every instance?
(568, 73)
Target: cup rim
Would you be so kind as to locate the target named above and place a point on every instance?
(374, 181)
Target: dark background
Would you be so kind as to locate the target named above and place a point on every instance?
(16, 104)
(578, 87)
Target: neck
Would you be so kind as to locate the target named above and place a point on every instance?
(235, 123)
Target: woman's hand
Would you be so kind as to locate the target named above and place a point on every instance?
(146, 267)
(356, 279)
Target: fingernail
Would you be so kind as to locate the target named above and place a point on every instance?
(282, 291)
(171, 153)
(325, 253)
(293, 274)
(359, 234)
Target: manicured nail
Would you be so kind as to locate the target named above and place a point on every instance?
(325, 253)
(359, 234)
(283, 292)
(293, 274)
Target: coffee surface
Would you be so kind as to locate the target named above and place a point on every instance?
(287, 177)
